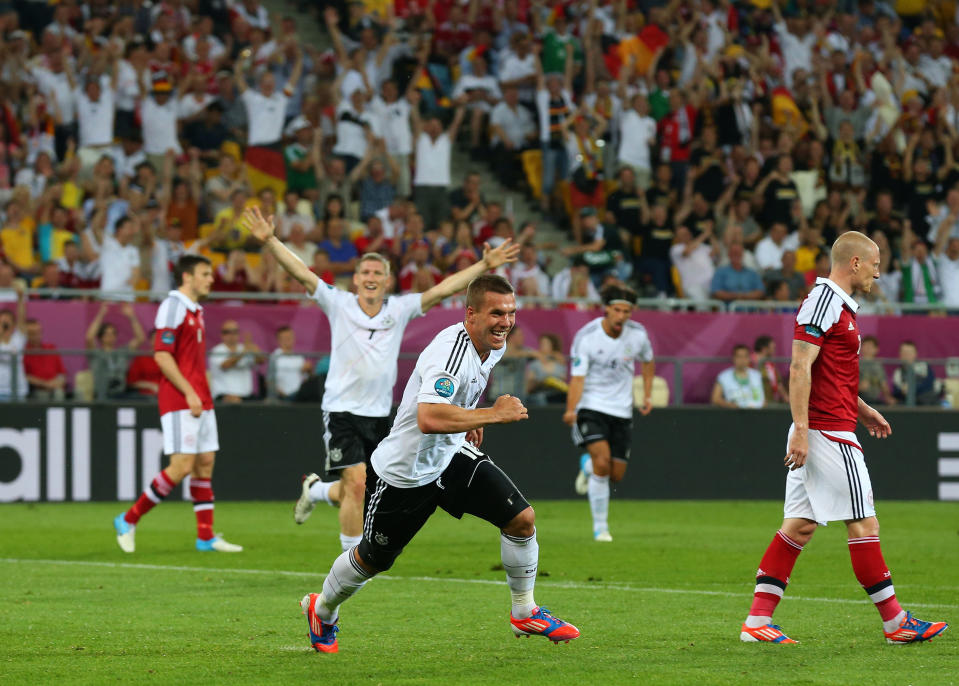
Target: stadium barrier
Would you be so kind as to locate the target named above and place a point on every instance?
(108, 452)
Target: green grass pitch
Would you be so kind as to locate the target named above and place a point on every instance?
(660, 605)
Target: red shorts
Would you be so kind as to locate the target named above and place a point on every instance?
(581, 200)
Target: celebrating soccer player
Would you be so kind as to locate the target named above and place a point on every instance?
(366, 331)
(186, 408)
(431, 458)
(599, 404)
(828, 479)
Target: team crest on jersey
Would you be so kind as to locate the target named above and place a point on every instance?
(336, 454)
(380, 539)
(388, 320)
(444, 387)
(167, 338)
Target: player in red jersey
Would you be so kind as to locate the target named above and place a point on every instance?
(828, 480)
(186, 408)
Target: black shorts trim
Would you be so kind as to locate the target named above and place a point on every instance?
(470, 484)
(592, 426)
(350, 439)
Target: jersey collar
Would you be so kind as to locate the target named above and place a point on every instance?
(846, 298)
(189, 304)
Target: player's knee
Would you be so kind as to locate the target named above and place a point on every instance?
(522, 525)
(601, 467)
(376, 559)
(352, 483)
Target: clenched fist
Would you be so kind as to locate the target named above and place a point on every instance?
(509, 409)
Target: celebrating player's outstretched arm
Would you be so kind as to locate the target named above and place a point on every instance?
(505, 252)
(264, 231)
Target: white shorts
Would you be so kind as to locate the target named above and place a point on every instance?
(834, 483)
(188, 435)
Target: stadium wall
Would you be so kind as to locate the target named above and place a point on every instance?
(109, 452)
(674, 334)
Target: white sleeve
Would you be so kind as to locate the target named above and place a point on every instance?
(578, 356)
(440, 362)
(411, 306)
(326, 296)
(170, 314)
(645, 352)
(821, 309)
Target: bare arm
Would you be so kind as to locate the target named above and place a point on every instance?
(649, 373)
(263, 230)
(717, 398)
(573, 396)
(91, 336)
(439, 418)
(127, 311)
(800, 381)
(169, 369)
(454, 283)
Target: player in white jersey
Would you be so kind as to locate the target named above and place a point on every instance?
(599, 404)
(431, 458)
(366, 331)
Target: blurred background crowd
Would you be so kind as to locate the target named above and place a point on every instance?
(705, 150)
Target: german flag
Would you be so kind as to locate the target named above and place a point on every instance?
(265, 168)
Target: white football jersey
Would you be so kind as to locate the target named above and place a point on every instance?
(608, 365)
(449, 371)
(364, 350)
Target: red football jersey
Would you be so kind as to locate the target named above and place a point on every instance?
(180, 331)
(827, 318)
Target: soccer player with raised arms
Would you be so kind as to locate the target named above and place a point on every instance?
(366, 331)
(186, 408)
(599, 404)
(828, 480)
(431, 459)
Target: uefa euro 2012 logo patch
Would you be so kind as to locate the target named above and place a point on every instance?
(443, 387)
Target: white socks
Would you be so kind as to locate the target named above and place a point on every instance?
(320, 490)
(754, 622)
(891, 625)
(520, 557)
(346, 577)
(599, 502)
(349, 542)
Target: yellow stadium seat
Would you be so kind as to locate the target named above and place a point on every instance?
(83, 385)
(660, 395)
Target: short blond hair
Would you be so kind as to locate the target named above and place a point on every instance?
(377, 257)
(849, 245)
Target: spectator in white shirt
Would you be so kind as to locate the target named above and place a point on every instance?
(298, 244)
(288, 370)
(95, 103)
(518, 68)
(231, 365)
(769, 250)
(158, 116)
(356, 127)
(739, 385)
(393, 113)
(433, 155)
(482, 92)
(266, 107)
(527, 275)
(12, 341)
(797, 40)
(512, 130)
(945, 253)
(637, 131)
(694, 259)
(118, 257)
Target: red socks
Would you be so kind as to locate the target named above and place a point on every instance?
(158, 489)
(873, 574)
(202, 494)
(773, 574)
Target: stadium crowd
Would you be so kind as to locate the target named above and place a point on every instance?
(707, 149)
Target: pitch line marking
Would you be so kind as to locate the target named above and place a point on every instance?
(570, 585)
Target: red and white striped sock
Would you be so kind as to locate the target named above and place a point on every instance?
(873, 574)
(772, 578)
(202, 493)
(158, 489)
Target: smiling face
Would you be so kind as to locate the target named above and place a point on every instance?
(490, 323)
(370, 278)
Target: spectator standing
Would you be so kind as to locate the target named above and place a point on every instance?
(694, 259)
(13, 377)
(637, 132)
(46, 374)
(512, 130)
(394, 113)
(873, 384)
(920, 277)
(554, 103)
(945, 255)
(740, 385)
(774, 389)
(434, 148)
(119, 259)
(232, 365)
(109, 362)
(288, 371)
